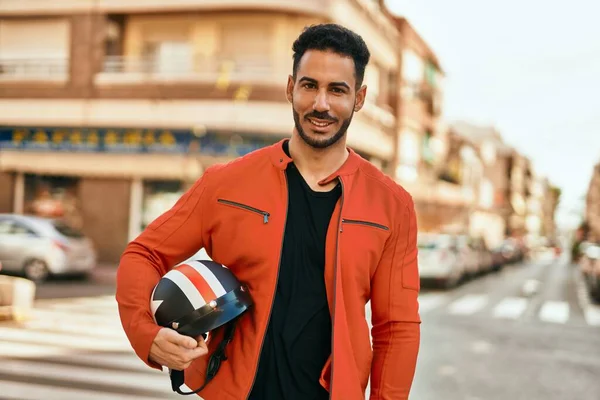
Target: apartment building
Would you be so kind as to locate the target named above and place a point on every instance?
(549, 205)
(592, 206)
(110, 109)
(421, 143)
(490, 183)
(520, 175)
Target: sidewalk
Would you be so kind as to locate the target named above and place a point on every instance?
(104, 274)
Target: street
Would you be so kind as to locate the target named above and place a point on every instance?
(527, 332)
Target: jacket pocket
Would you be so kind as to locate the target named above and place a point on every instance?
(364, 223)
(246, 207)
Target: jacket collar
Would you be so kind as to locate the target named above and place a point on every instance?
(281, 160)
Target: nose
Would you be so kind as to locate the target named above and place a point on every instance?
(321, 101)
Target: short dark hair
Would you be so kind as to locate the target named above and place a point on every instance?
(334, 38)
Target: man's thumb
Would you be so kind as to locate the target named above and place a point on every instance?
(185, 341)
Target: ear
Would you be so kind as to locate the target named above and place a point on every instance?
(289, 91)
(361, 94)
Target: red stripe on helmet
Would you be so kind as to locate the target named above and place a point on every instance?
(199, 282)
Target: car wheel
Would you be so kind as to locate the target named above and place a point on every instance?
(36, 270)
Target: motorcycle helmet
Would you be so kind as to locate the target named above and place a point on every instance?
(195, 298)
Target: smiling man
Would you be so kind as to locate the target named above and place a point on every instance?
(315, 232)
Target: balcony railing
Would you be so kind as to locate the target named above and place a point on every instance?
(127, 70)
(37, 69)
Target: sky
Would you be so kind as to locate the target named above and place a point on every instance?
(531, 68)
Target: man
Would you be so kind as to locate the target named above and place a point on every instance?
(315, 232)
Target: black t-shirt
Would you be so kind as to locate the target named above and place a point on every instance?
(298, 338)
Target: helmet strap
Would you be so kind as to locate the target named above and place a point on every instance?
(214, 363)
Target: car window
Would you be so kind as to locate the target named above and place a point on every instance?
(67, 230)
(20, 229)
(5, 226)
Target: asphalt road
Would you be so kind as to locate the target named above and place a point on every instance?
(528, 332)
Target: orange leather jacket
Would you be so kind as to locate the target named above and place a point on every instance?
(237, 212)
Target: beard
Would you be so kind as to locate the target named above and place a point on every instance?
(316, 143)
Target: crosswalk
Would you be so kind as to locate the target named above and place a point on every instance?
(75, 349)
(508, 308)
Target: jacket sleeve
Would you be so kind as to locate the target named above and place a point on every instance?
(395, 315)
(169, 240)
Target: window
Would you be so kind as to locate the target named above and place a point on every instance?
(409, 156)
(67, 230)
(486, 194)
(5, 227)
(427, 151)
(20, 229)
(248, 45)
(169, 57)
(412, 66)
(409, 148)
(488, 153)
(34, 47)
(430, 73)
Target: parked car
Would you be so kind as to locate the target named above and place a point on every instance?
(39, 247)
(510, 251)
(483, 255)
(468, 255)
(440, 260)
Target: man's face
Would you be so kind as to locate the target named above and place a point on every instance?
(324, 97)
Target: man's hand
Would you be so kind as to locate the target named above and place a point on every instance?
(176, 351)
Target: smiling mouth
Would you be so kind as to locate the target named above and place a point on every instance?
(319, 124)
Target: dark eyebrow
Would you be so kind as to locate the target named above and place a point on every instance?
(314, 81)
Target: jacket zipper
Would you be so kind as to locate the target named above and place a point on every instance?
(337, 245)
(366, 223)
(265, 214)
(262, 342)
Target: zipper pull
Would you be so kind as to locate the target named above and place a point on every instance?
(265, 217)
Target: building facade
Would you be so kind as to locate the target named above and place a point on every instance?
(592, 209)
(109, 110)
(490, 183)
(422, 140)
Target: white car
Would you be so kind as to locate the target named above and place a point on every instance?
(38, 247)
(440, 260)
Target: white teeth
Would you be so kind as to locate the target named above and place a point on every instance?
(320, 124)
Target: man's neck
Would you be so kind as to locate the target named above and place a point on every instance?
(317, 164)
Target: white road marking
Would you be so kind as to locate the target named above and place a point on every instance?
(510, 308)
(431, 301)
(555, 311)
(468, 304)
(592, 315)
(73, 341)
(530, 287)
(70, 374)
(33, 391)
(481, 347)
(66, 326)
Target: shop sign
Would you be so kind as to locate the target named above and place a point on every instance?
(124, 140)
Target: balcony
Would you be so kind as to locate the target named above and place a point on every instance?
(34, 69)
(202, 70)
(41, 7)
(441, 193)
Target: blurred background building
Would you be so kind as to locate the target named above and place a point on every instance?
(109, 110)
(592, 209)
